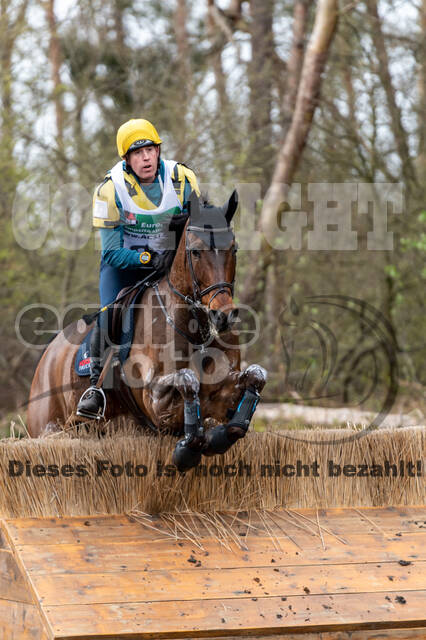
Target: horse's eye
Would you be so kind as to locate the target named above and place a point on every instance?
(234, 250)
(195, 253)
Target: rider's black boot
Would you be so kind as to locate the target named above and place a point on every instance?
(93, 402)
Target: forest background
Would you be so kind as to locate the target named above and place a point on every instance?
(263, 92)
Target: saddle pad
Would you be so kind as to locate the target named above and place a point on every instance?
(82, 360)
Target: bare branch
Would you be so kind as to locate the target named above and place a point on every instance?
(306, 102)
(219, 17)
(295, 61)
(383, 72)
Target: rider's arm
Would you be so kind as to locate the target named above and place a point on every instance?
(107, 218)
(113, 251)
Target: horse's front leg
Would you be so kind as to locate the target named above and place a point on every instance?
(221, 438)
(187, 453)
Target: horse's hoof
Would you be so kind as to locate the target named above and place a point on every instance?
(185, 458)
(254, 376)
(221, 438)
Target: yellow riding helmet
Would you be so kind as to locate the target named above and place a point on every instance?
(134, 134)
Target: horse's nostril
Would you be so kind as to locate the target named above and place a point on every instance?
(219, 319)
(233, 316)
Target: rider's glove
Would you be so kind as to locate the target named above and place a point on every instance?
(160, 262)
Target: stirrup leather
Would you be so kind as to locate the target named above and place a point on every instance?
(88, 414)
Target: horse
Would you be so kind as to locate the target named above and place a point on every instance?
(184, 361)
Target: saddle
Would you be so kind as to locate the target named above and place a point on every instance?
(120, 330)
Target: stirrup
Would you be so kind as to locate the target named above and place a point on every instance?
(88, 414)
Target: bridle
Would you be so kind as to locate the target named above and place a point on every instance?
(197, 308)
(199, 293)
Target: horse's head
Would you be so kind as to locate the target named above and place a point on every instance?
(210, 259)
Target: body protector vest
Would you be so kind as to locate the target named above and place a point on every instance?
(143, 228)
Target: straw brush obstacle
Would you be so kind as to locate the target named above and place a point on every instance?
(67, 475)
(225, 550)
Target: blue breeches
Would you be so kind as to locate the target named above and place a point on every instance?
(112, 281)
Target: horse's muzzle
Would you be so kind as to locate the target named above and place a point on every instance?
(223, 321)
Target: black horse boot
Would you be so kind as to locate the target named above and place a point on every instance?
(92, 403)
(187, 453)
(221, 438)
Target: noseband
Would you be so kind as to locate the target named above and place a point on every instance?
(195, 304)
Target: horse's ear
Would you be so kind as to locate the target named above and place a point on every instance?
(231, 207)
(194, 205)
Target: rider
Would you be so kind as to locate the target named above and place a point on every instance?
(132, 208)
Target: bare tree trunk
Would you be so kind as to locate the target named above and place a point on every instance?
(398, 130)
(352, 125)
(234, 10)
(216, 59)
(68, 278)
(55, 58)
(306, 102)
(185, 74)
(261, 83)
(119, 27)
(408, 171)
(273, 301)
(10, 29)
(181, 15)
(295, 61)
(7, 117)
(253, 289)
(269, 267)
(421, 161)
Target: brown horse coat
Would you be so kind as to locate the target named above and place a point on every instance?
(162, 363)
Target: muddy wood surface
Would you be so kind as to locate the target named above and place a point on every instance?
(339, 572)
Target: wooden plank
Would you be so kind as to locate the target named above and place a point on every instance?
(67, 530)
(122, 535)
(386, 634)
(393, 512)
(383, 634)
(110, 577)
(366, 519)
(299, 540)
(70, 529)
(12, 584)
(134, 586)
(3, 542)
(20, 621)
(340, 521)
(111, 557)
(226, 617)
(27, 588)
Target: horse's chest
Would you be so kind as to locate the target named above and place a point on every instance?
(215, 403)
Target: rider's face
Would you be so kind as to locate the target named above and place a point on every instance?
(144, 162)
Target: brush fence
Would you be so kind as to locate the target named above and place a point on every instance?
(67, 475)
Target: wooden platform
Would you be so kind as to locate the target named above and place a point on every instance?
(334, 574)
